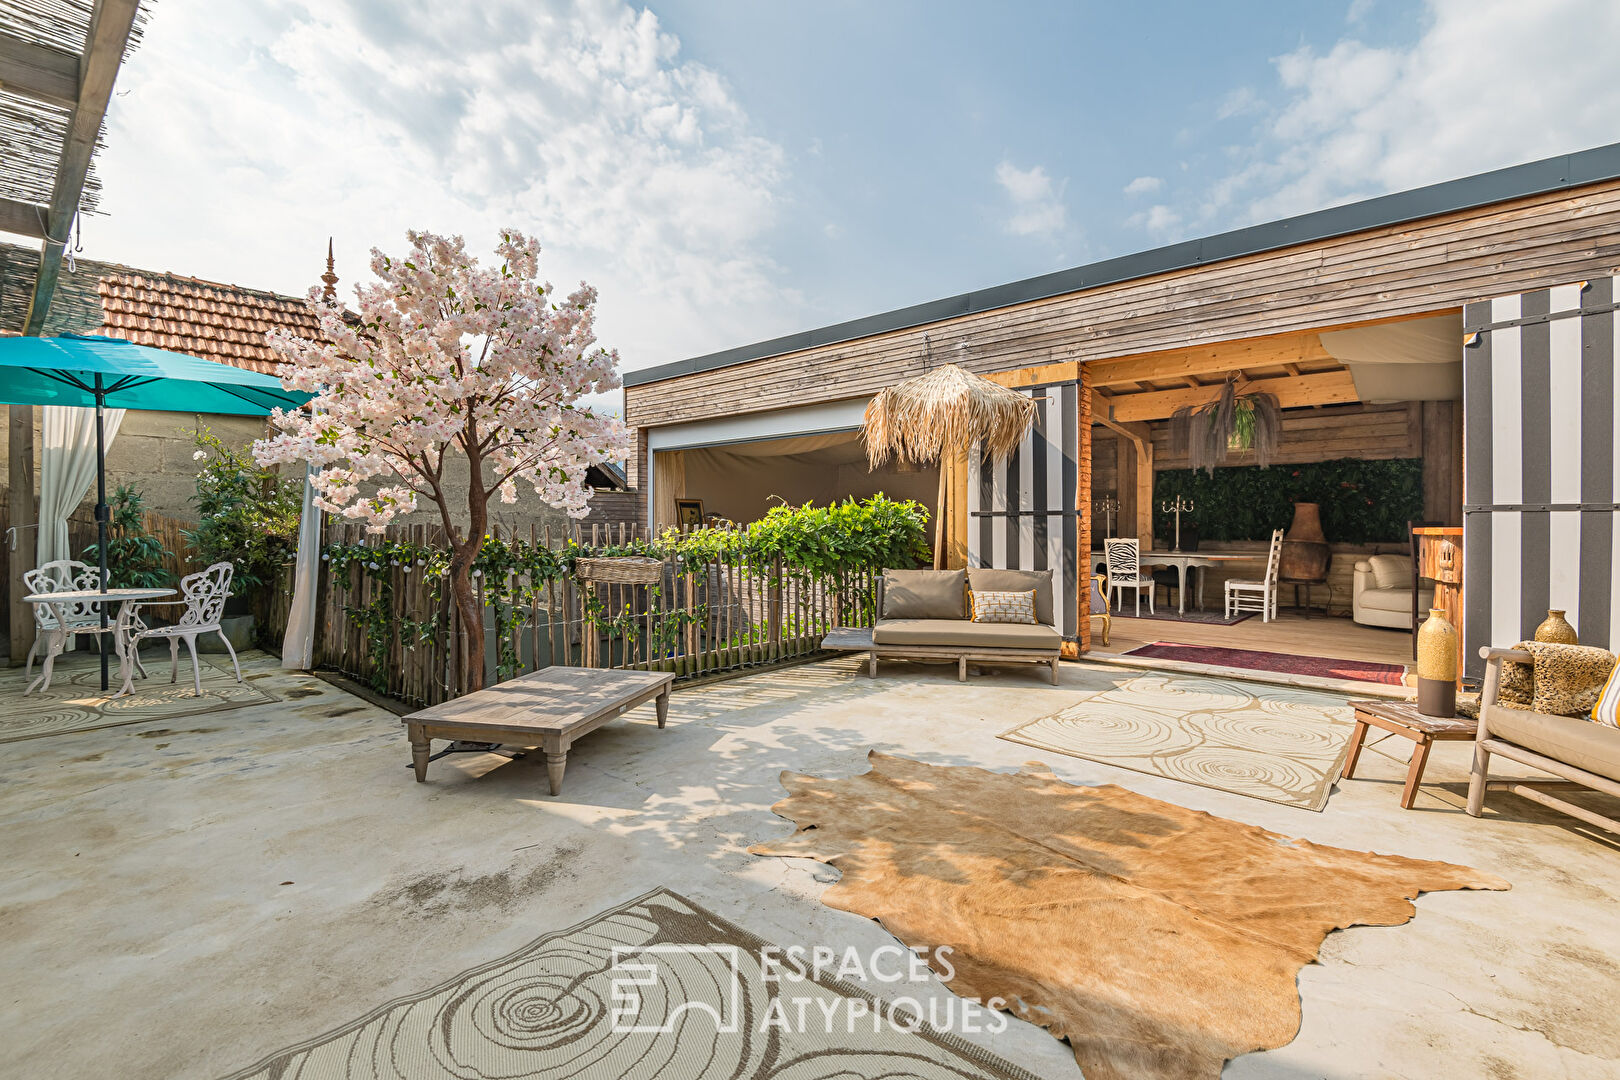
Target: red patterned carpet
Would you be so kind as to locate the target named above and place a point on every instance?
(1319, 666)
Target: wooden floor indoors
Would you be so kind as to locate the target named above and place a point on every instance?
(1335, 636)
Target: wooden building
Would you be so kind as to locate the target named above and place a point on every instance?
(1352, 316)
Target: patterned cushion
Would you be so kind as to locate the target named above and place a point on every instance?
(1564, 680)
(1004, 607)
(1607, 709)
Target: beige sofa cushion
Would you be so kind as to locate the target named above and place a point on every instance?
(987, 580)
(964, 634)
(925, 594)
(1577, 742)
(1397, 600)
(1391, 572)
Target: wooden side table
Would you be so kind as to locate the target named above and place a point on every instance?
(1402, 718)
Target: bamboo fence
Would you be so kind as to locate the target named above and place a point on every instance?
(719, 615)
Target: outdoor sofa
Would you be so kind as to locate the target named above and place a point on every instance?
(1580, 752)
(927, 615)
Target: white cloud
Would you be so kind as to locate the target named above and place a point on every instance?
(1240, 102)
(1144, 185)
(1159, 220)
(1037, 203)
(1489, 83)
(241, 137)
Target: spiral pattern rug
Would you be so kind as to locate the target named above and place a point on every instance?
(1268, 742)
(658, 987)
(75, 701)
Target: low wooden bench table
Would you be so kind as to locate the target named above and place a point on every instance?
(550, 708)
(1402, 718)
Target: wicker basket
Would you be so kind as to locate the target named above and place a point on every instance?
(621, 570)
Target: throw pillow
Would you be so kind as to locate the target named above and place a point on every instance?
(1607, 709)
(1004, 607)
(924, 594)
(1391, 571)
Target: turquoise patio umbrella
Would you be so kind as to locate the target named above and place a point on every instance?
(102, 372)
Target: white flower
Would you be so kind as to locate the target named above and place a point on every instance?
(199, 455)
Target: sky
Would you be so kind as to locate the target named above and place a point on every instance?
(726, 171)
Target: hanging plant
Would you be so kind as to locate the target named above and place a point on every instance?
(1232, 423)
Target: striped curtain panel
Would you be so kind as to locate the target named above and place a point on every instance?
(1021, 511)
(1540, 487)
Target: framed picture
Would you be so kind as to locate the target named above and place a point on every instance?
(689, 512)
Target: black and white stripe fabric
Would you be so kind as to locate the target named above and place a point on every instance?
(1540, 486)
(1021, 511)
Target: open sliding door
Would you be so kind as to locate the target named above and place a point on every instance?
(1540, 486)
(1022, 512)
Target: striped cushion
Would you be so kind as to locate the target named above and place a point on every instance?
(1607, 709)
(1004, 607)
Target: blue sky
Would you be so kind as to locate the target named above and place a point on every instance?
(729, 170)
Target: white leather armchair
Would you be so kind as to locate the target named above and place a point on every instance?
(1381, 592)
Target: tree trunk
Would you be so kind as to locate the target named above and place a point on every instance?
(472, 616)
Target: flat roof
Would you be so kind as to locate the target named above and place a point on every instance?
(1514, 182)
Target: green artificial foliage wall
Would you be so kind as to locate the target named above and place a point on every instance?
(1363, 502)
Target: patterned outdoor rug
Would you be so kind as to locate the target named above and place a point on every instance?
(75, 701)
(1168, 614)
(1321, 667)
(1269, 742)
(688, 1000)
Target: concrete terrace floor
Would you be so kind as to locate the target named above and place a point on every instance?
(179, 901)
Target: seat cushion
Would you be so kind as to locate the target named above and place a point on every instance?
(924, 594)
(1395, 600)
(1391, 571)
(960, 632)
(1019, 581)
(1574, 741)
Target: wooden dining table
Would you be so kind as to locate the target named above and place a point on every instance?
(1185, 560)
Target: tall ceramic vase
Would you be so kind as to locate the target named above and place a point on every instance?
(1437, 665)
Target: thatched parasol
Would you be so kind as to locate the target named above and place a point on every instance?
(946, 411)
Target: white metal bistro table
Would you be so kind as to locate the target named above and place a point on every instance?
(1183, 560)
(119, 625)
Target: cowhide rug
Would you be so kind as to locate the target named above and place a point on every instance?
(1159, 941)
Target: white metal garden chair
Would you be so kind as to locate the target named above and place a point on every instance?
(204, 594)
(1260, 595)
(78, 617)
(1124, 556)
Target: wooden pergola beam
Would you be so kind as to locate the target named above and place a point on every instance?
(110, 26)
(23, 219)
(1293, 392)
(38, 71)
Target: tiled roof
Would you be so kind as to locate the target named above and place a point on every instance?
(226, 323)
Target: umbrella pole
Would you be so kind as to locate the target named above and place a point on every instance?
(101, 522)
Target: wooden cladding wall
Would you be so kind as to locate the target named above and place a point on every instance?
(1369, 432)
(1410, 269)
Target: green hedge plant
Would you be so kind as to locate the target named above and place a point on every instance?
(1363, 502)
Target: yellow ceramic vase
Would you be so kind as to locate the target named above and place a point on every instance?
(1556, 629)
(1437, 665)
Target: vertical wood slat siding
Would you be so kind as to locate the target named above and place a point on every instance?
(1541, 439)
(1021, 511)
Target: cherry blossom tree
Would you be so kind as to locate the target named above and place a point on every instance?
(449, 360)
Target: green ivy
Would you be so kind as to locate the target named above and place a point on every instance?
(1363, 502)
(247, 515)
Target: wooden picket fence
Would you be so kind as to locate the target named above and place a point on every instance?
(720, 615)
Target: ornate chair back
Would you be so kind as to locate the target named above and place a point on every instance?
(205, 593)
(64, 575)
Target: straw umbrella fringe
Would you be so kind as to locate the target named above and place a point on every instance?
(946, 411)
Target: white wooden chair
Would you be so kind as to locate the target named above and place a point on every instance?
(1124, 557)
(1260, 595)
(204, 594)
(78, 617)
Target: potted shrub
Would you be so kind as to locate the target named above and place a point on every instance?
(247, 516)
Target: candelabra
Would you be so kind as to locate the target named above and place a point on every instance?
(1107, 506)
(1177, 506)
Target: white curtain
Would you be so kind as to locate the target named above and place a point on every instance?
(298, 647)
(67, 469)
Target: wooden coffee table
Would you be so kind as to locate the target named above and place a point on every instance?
(550, 708)
(1402, 718)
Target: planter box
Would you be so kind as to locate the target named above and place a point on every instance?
(239, 628)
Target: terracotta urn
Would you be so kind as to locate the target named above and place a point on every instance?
(1305, 553)
(1555, 628)
(1437, 665)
